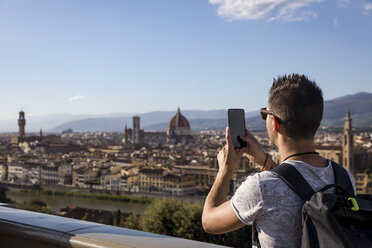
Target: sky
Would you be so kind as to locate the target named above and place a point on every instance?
(137, 56)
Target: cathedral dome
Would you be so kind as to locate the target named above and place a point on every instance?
(179, 125)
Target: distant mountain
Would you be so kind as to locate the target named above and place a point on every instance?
(252, 123)
(360, 106)
(47, 122)
(334, 114)
(152, 121)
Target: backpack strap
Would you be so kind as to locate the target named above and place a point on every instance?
(342, 178)
(293, 178)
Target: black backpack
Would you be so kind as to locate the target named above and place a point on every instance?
(331, 220)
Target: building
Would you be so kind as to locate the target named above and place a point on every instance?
(108, 179)
(16, 173)
(137, 135)
(179, 130)
(151, 179)
(3, 171)
(78, 177)
(49, 174)
(204, 175)
(179, 184)
(333, 153)
(361, 183)
(129, 183)
(134, 135)
(347, 145)
(344, 154)
(47, 143)
(155, 138)
(21, 124)
(32, 174)
(65, 174)
(58, 147)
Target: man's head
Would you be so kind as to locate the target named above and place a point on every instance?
(298, 104)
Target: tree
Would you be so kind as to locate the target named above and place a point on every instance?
(183, 219)
(132, 222)
(34, 205)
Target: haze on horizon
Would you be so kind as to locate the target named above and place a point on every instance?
(99, 57)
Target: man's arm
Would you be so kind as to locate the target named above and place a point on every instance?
(218, 215)
(255, 153)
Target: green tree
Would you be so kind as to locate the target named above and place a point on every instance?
(183, 219)
(132, 222)
(34, 205)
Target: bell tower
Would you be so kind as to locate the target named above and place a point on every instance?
(21, 124)
(136, 130)
(347, 145)
(126, 141)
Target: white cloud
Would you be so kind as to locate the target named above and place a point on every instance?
(270, 10)
(335, 22)
(76, 98)
(367, 6)
(343, 3)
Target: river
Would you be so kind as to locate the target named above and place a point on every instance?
(57, 202)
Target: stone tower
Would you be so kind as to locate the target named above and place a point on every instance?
(126, 135)
(21, 124)
(136, 130)
(347, 145)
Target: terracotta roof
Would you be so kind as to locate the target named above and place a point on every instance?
(178, 121)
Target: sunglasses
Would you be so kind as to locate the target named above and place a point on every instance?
(264, 112)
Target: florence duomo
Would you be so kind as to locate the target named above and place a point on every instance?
(178, 132)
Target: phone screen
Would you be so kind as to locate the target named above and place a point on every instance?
(236, 120)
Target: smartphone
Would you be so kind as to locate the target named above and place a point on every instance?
(236, 122)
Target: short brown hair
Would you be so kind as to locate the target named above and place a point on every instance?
(298, 103)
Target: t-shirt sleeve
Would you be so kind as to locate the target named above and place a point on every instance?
(247, 200)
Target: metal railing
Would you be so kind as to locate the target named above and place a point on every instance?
(19, 228)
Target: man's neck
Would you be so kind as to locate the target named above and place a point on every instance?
(290, 147)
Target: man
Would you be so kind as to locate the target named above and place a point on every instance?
(293, 115)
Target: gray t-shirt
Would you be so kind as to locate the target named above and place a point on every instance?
(275, 210)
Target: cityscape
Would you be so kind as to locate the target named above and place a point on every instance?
(177, 162)
(113, 113)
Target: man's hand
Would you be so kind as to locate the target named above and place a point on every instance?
(255, 153)
(229, 157)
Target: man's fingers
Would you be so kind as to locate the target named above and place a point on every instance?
(244, 150)
(228, 137)
(240, 152)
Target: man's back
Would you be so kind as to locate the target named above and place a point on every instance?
(275, 209)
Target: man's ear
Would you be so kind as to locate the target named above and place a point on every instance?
(276, 124)
(272, 123)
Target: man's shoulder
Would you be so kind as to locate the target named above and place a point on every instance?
(263, 177)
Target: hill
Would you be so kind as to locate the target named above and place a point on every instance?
(334, 114)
